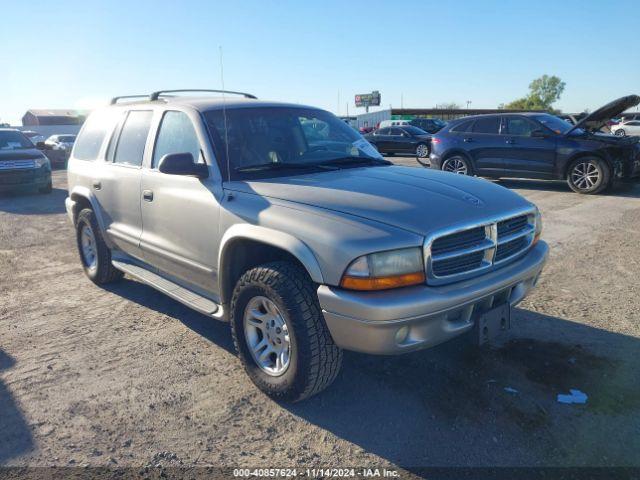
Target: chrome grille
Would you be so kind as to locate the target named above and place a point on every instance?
(17, 164)
(467, 252)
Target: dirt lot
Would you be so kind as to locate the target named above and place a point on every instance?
(127, 377)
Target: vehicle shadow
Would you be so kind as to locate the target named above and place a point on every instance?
(213, 330)
(33, 203)
(15, 435)
(620, 189)
(457, 405)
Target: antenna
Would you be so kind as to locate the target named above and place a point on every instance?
(224, 116)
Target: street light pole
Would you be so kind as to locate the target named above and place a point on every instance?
(468, 102)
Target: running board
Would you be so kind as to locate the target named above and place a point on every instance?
(181, 294)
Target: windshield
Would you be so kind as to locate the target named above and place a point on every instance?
(14, 141)
(67, 138)
(554, 123)
(297, 139)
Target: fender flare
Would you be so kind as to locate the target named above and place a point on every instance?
(80, 192)
(282, 240)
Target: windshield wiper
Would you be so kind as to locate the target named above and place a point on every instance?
(351, 160)
(259, 167)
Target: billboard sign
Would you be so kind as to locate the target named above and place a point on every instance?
(368, 99)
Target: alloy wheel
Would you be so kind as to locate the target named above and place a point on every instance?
(267, 336)
(620, 132)
(88, 244)
(422, 151)
(455, 165)
(585, 175)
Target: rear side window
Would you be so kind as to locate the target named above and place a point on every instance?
(96, 128)
(520, 126)
(130, 148)
(176, 135)
(486, 125)
(462, 127)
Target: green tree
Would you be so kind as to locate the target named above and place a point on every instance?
(543, 93)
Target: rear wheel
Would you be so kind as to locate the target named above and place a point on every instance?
(280, 334)
(589, 175)
(94, 253)
(422, 150)
(457, 164)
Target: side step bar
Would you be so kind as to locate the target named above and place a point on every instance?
(181, 294)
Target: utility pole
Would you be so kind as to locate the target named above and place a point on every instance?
(468, 102)
(402, 100)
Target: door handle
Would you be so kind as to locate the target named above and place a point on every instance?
(147, 195)
(510, 141)
(97, 184)
(467, 140)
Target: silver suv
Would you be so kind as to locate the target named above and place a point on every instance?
(285, 222)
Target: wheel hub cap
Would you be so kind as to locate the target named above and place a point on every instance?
(267, 336)
(88, 244)
(455, 165)
(422, 151)
(585, 175)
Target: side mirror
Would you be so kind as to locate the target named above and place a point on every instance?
(182, 164)
(42, 146)
(539, 134)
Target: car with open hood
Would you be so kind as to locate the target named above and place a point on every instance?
(540, 146)
(285, 222)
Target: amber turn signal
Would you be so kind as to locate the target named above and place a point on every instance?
(382, 283)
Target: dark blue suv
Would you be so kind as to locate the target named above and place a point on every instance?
(540, 146)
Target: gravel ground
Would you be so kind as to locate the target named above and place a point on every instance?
(124, 376)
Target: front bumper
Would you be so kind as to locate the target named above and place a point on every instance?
(23, 179)
(413, 318)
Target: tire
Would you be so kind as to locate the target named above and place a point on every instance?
(422, 153)
(620, 132)
(457, 164)
(97, 267)
(588, 175)
(313, 359)
(48, 188)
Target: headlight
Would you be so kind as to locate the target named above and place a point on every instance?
(41, 162)
(538, 218)
(390, 269)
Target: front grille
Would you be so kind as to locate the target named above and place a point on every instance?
(472, 251)
(512, 225)
(508, 249)
(463, 263)
(17, 164)
(459, 240)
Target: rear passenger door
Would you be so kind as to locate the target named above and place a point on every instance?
(180, 213)
(117, 184)
(485, 145)
(528, 155)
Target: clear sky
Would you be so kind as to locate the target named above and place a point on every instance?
(74, 54)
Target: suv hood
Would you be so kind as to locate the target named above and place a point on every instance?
(25, 154)
(414, 199)
(598, 118)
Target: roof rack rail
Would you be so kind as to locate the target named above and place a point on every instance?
(155, 95)
(114, 100)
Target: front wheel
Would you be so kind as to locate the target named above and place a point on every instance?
(457, 164)
(620, 132)
(589, 175)
(48, 188)
(280, 334)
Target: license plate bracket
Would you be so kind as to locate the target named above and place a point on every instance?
(492, 322)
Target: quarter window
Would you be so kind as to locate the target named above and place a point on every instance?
(87, 145)
(486, 125)
(176, 135)
(130, 148)
(462, 127)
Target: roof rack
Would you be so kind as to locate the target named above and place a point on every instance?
(114, 100)
(155, 95)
